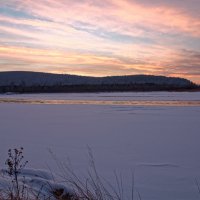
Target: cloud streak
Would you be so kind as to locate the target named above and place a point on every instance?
(97, 38)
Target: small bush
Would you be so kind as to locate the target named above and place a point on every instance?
(15, 164)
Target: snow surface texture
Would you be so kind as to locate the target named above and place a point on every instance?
(159, 144)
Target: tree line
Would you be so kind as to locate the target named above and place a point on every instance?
(96, 88)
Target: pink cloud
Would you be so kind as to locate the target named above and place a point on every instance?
(122, 16)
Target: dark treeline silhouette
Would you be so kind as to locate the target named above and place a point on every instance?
(95, 88)
(37, 82)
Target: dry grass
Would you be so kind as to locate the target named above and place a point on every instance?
(92, 187)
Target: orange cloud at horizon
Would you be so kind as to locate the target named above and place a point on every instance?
(93, 65)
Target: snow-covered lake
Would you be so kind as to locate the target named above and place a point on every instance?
(156, 135)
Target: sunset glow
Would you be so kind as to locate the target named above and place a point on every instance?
(100, 38)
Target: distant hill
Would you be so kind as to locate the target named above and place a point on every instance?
(21, 81)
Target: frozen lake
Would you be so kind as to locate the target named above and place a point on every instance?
(154, 134)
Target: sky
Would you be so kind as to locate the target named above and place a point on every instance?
(101, 37)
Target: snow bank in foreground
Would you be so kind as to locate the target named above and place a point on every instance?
(40, 183)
